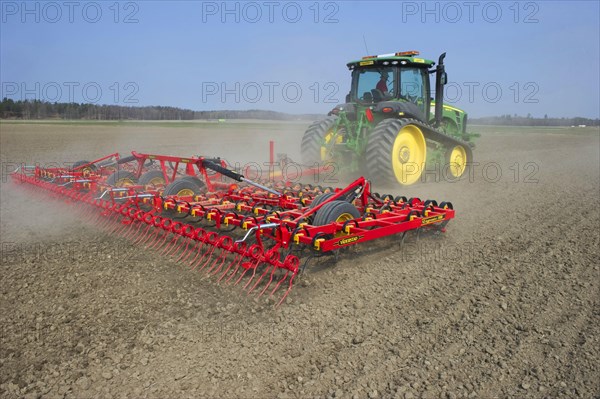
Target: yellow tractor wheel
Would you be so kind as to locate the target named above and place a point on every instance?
(396, 152)
(456, 161)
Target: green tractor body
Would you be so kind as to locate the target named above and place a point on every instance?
(390, 126)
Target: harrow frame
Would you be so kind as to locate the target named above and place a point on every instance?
(277, 218)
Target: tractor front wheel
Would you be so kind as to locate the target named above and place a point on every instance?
(396, 152)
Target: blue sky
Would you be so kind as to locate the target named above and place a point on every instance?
(503, 57)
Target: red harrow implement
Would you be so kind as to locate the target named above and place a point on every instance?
(215, 220)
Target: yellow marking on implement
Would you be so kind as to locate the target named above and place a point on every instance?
(432, 219)
(209, 216)
(239, 207)
(193, 212)
(318, 243)
(297, 237)
(348, 240)
(245, 225)
(347, 228)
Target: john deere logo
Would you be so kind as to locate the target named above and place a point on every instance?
(348, 240)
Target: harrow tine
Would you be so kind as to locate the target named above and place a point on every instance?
(269, 283)
(236, 261)
(285, 276)
(185, 250)
(198, 252)
(269, 266)
(254, 267)
(158, 243)
(190, 251)
(208, 253)
(173, 244)
(142, 238)
(220, 258)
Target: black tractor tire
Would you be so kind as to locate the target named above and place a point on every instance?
(379, 153)
(313, 138)
(319, 199)
(333, 210)
(152, 175)
(118, 178)
(176, 186)
(195, 180)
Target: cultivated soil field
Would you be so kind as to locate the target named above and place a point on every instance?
(506, 303)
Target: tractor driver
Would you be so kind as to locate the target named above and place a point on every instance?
(382, 84)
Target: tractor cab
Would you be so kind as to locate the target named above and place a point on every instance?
(392, 78)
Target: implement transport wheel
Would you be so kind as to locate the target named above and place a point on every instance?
(319, 199)
(456, 161)
(336, 211)
(319, 141)
(196, 180)
(183, 187)
(88, 170)
(121, 178)
(396, 152)
(152, 178)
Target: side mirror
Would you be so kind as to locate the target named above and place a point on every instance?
(444, 78)
(348, 98)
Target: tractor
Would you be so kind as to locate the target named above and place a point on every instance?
(390, 127)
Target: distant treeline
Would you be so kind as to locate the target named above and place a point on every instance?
(515, 120)
(36, 109)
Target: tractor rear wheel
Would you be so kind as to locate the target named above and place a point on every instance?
(396, 152)
(121, 178)
(318, 141)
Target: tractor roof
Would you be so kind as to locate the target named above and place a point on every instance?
(399, 58)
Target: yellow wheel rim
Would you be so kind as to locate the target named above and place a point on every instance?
(125, 182)
(186, 192)
(157, 181)
(458, 161)
(341, 219)
(327, 149)
(408, 154)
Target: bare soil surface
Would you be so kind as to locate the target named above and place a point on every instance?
(504, 304)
